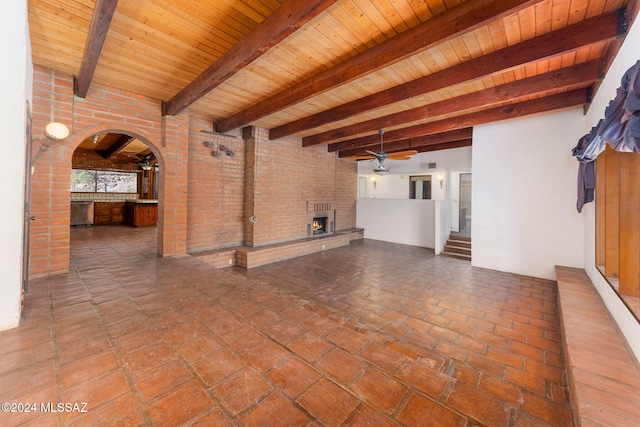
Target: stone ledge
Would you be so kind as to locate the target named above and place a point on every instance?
(603, 373)
(249, 257)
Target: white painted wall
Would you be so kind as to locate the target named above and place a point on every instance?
(14, 83)
(627, 56)
(524, 195)
(409, 222)
(395, 185)
(442, 224)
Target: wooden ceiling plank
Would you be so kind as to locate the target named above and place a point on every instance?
(446, 26)
(280, 24)
(545, 46)
(549, 103)
(415, 143)
(117, 146)
(100, 22)
(587, 72)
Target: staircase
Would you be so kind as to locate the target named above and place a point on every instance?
(458, 247)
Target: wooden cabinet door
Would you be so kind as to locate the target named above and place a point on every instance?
(101, 213)
(118, 212)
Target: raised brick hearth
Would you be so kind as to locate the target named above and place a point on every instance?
(249, 257)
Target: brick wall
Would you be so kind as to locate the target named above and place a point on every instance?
(287, 177)
(216, 188)
(103, 110)
(271, 180)
(204, 202)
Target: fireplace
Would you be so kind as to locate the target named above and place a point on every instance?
(321, 218)
(319, 225)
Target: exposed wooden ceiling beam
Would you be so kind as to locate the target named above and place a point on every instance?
(628, 15)
(118, 145)
(100, 23)
(585, 73)
(546, 46)
(554, 102)
(446, 145)
(415, 143)
(284, 21)
(450, 24)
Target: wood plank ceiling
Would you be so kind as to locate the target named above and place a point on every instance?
(335, 71)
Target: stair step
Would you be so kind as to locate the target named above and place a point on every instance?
(459, 243)
(456, 255)
(457, 249)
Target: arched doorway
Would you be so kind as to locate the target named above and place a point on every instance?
(115, 180)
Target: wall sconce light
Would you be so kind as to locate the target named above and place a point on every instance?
(440, 178)
(53, 132)
(95, 138)
(375, 181)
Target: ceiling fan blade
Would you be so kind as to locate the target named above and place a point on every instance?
(399, 158)
(403, 153)
(373, 154)
(362, 157)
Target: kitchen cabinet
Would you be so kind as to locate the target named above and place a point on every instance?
(142, 213)
(105, 213)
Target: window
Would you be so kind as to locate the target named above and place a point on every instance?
(96, 181)
(618, 223)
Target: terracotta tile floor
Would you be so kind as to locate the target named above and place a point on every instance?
(373, 334)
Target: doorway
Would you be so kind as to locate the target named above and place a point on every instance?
(465, 204)
(420, 187)
(114, 181)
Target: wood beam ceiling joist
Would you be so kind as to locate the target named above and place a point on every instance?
(276, 27)
(100, 23)
(461, 19)
(446, 145)
(580, 74)
(118, 145)
(417, 143)
(627, 16)
(554, 102)
(546, 46)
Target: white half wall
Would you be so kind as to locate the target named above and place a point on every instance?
(409, 222)
(627, 56)
(14, 83)
(524, 195)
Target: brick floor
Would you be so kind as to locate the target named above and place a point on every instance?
(369, 334)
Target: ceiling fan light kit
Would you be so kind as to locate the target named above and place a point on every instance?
(381, 169)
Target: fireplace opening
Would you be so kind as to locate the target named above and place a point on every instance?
(319, 225)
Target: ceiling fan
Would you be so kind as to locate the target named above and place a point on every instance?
(381, 156)
(145, 162)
